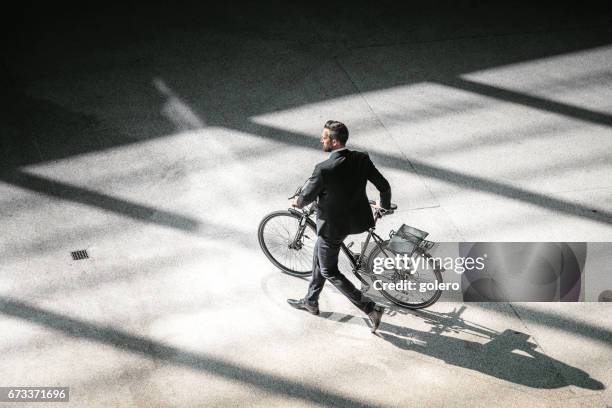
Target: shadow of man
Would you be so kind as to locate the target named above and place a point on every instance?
(508, 355)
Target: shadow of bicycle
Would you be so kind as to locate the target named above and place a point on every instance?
(507, 355)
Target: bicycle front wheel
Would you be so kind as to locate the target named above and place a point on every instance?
(278, 239)
(419, 288)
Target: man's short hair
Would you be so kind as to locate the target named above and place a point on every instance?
(337, 130)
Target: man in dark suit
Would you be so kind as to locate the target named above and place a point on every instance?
(339, 186)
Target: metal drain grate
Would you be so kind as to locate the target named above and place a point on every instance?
(80, 254)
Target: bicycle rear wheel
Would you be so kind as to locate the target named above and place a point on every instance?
(423, 279)
(277, 238)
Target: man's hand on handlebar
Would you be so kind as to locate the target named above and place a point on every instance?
(375, 205)
(380, 209)
(293, 199)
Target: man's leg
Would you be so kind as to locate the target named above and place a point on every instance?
(311, 301)
(317, 280)
(326, 253)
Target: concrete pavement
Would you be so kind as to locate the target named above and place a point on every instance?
(158, 138)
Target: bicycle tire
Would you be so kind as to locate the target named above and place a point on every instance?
(304, 258)
(391, 295)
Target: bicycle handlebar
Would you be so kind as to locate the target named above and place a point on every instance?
(381, 211)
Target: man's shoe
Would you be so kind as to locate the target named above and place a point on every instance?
(375, 316)
(302, 305)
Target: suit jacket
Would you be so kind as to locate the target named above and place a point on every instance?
(339, 186)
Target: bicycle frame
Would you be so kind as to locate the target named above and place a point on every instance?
(364, 272)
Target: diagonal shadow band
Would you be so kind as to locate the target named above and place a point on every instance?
(471, 182)
(501, 189)
(531, 101)
(92, 198)
(173, 355)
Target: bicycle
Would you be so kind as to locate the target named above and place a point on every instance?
(287, 239)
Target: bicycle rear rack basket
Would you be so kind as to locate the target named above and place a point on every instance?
(407, 239)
